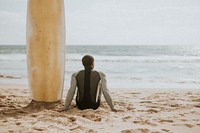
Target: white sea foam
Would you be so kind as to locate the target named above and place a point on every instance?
(12, 57)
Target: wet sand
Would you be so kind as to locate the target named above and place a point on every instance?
(140, 111)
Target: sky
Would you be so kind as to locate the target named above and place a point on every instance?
(113, 22)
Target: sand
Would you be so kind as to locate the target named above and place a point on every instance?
(140, 111)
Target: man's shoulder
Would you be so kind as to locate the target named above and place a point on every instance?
(75, 73)
(101, 74)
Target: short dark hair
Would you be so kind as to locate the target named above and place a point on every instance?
(87, 60)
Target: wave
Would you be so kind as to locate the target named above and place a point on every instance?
(12, 57)
(164, 80)
(10, 76)
(130, 59)
(142, 59)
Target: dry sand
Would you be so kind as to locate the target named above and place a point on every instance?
(141, 111)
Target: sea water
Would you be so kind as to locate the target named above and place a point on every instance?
(133, 66)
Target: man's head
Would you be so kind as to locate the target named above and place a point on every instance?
(88, 61)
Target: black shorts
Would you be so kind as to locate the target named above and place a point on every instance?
(87, 104)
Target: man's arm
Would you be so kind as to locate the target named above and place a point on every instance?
(106, 92)
(71, 92)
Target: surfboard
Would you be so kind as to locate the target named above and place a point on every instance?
(45, 39)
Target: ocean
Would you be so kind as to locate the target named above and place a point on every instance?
(135, 66)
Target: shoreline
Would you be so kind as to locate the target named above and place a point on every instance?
(141, 111)
(65, 88)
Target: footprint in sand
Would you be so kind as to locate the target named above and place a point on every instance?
(130, 108)
(126, 118)
(198, 125)
(18, 123)
(197, 105)
(75, 128)
(38, 129)
(152, 111)
(4, 121)
(183, 120)
(181, 114)
(91, 131)
(187, 125)
(146, 102)
(139, 130)
(2, 97)
(196, 120)
(144, 122)
(78, 128)
(163, 121)
(66, 123)
(165, 130)
(196, 100)
(72, 119)
(3, 105)
(92, 117)
(152, 107)
(34, 115)
(173, 105)
(134, 93)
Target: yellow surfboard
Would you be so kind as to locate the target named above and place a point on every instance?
(46, 49)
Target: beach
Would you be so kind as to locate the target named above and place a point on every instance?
(146, 52)
(155, 89)
(139, 111)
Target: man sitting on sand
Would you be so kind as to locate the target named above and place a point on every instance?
(90, 84)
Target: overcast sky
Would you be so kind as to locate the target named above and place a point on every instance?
(113, 22)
